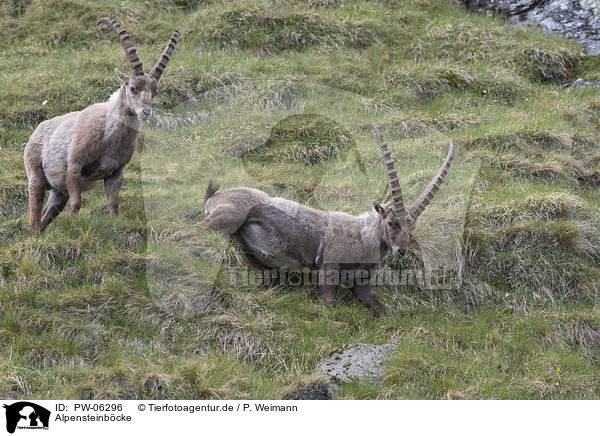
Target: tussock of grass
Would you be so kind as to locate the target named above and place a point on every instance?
(538, 206)
(193, 87)
(27, 13)
(418, 124)
(548, 167)
(469, 42)
(309, 139)
(244, 339)
(539, 140)
(318, 390)
(556, 235)
(535, 243)
(583, 334)
(312, 4)
(190, 5)
(550, 66)
(24, 118)
(13, 201)
(267, 32)
(431, 82)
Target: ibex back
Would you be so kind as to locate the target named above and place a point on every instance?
(280, 233)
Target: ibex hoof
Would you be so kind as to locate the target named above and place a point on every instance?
(327, 300)
(380, 311)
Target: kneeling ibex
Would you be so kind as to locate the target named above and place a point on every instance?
(71, 153)
(280, 233)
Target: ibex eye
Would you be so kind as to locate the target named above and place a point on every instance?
(133, 90)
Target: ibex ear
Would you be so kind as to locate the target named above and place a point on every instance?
(379, 209)
(124, 78)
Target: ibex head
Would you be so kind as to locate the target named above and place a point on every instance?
(140, 88)
(398, 221)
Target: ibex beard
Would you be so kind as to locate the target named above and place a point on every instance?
(283, 234)
(72, 153)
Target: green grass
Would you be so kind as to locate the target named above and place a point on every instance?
(280, 96)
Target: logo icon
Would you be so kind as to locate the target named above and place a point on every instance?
(26, 415)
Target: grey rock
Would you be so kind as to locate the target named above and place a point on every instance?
(579, 19)
(358, 362)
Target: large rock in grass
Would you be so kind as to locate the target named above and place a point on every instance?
(357, 362)
(579, 19)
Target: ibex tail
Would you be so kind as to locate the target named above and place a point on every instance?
(210, 190)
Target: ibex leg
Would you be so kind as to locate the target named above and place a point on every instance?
(55, 204)
(328, 283)
(37, 189)
(112, 185)
(74, 187)
(224, 218)
(369, 299)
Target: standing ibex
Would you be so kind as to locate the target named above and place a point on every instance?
(280, 233)
(71, 153)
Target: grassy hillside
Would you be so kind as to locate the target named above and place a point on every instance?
(280, 95)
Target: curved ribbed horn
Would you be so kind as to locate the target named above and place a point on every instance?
(394, 182)
(427, 195)
(130, 50)
(160, 65)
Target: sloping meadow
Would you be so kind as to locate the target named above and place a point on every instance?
(280, 96)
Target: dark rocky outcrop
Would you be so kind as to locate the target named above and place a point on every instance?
(311, 391)
(579, 19)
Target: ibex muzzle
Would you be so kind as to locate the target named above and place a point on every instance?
(283, 234)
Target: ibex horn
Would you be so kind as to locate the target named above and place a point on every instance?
(397, 198)
(427, 195)
(160, 65)
(130, 50)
